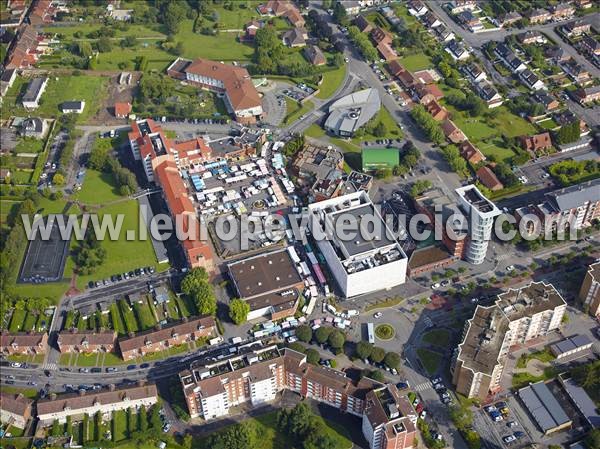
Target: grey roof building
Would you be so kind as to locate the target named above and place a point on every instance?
(575, 196)
(583, 402)
(34, 92)
(349, 113)
(544, 407)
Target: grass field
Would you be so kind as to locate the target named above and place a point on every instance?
(393, 130)
(331, 81)
(295, 111)
(437, 337)
(272, 439)
(416, 62)
(98, 188)
(92, 89)
(431, 360)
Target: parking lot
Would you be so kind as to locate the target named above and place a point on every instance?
(299, 92)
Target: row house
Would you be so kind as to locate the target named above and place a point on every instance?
(562, 11)
(23, 343)
(531, 37)
(586, 95)
(590, 45)
(531, 80)
(517, 317)
(576, 28)
(24, 51)
(105, 401)
(430, 20)
(436, 110)
(176, 334)
(86, 342)
(452, 132)
(471, 153)
(507, 19)
(458, 6)
(417, 8)
(457, 50)
(470, 21)
(443, 33)
(15, 409)
(510, 60)
(536, 143)
(538, 16)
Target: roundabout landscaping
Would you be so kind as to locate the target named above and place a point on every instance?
(384, 332)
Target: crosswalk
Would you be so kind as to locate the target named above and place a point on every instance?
(422, 386)
(50, 366)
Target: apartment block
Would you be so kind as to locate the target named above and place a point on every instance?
(590, 289)
(517, 317)
(363, 263)
(105, 401)
(256, 377)
(481, 213)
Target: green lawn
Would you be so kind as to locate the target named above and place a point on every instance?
(331, 81)
(384, 331)
(393, 130)
(128, 316)
(29, 145)
(98, 188)
(92, 89)
(438, 337)
(272, 439)
(416, 62)
(315, 131)
(87, 360)
(119, 425)
(144, 315)
(431, 360)
(17, 320)
(295, 110)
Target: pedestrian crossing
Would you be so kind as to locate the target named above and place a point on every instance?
(422, 386)
(50, 366)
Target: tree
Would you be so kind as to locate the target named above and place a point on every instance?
(338, 60)
(336, 339)
(55, 432)
(155, 419)
(99, 156)
(194, 278)
(205, 300)
(380, 129)
(238, 311)
(392, 360)
(297, 346)
(143, 419)
(241, 435)
(84, 49)
(364, 349)
(592, 440)
(304, 333)
(173, 16)
(104, 45)
(58, 179)
(129, 41)
(313, 356)
(377, 354)
(322, 334)
(376, 375)
(419, 187)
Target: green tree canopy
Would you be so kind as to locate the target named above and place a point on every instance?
(238, 311)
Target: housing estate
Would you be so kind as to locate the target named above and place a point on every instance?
(23, 343)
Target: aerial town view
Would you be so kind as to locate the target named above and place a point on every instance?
(300, 224)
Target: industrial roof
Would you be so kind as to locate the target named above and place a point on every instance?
(351, 112)
(543, 406)
(569, 344)
(583, 402)
(574, 196)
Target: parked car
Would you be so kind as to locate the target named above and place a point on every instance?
(512, 424)
(377, 315)
(111, 369)
(509, 438)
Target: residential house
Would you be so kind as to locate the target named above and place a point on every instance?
(489, 179)
(471, 153)
(296, 37)
(531, 80)
(314, 55)
(363, 24)
(417, 8)
(87, 342)
(536, 143)
(23, 343)
(514, 64)
(457, 50)
(33, 94)
(577, 72)
(351, 7)
(437, 111)
(443, 33)
(283, 8)
(7, 78)
(474, 72)
(430, 20)
(458, 6)
(583, 4)
(240, 95)
(470, 21)
(406, 78)
(453, 132)
(549, 102)
(577, 28)
(507, 19)
(34, 127)
(591, 45)
(57, 407)
(539, 15)
(586, 95)
(4, 174)
(489, 94)
(531, 37)
(428, 92)
(75, 107)
(15, 409)
(171, 335)
(122, 109)
(563, 11)
(23, 53)
(250, 31)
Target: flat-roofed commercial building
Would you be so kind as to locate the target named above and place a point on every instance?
(545, 408)
(481, 213)
(517, 316)
(369, 257)
(571, 346)
(351, 112)
(269, 282)
(590, 289)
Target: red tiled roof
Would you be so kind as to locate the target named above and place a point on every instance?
(122, 109)
(489, 179)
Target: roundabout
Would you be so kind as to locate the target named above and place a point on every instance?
(384, 331)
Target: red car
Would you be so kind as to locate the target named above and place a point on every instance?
(419, 408)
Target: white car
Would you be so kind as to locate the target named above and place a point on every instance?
(510, 268)
(377, 315)
(435, 286)
(509, 438)
(15, 365)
